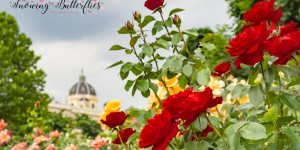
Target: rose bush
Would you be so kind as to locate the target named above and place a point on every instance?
(210, 108)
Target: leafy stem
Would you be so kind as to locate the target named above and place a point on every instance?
(155, 60)
(266, 85)
(141, 61)
(215, 129)
(186, 48)
(162, 18)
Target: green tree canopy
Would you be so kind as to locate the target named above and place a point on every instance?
(21, 81)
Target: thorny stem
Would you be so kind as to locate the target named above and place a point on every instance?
(185, 44)
(155, 60)
(141, 61)
(219, 114)
(215, 129)
(162, 17)
(266, 84)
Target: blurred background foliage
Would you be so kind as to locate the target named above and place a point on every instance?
(23, 101)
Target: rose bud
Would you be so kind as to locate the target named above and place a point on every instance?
(129, 25)
(137, 16)
(176, 20)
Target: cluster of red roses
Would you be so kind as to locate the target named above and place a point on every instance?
(183, 107)
(115, 119)
(261, 34)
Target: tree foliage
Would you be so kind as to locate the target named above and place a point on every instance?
(21, 81)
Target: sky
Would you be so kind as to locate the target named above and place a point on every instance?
(68, 43)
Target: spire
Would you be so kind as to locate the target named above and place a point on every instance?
(82, 77)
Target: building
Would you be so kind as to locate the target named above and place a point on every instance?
(82, 99)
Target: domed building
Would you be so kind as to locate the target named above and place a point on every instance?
(82, 95)
(82, 99)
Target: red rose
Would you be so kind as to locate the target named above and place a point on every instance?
(115, 119)
(159, 131)
(248, 45)
(124, 134)
(221, 69)
(188, 105)
(288, 28)
(283, 47)
(153, 4)
(262, 11)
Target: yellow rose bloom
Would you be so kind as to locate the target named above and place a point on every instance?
(111, 106)
(169, 82)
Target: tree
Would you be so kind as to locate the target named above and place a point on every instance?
(21, 81)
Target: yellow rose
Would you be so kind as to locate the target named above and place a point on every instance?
(169, 82)
(111, 106)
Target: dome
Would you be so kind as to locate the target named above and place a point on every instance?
(82, 88)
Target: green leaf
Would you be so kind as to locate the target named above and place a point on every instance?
(133, 137)
(124, 75)
(169, 22)
(128, 85)
(253, 131)
(146, 93)
(153, 86)
(115, 64)
(208, 46)
(175, 39)
(253, 76)
(271, 115)
(239, 91)
(147, 20)
(126, 67)
(291, 134)
(270, 75)
(134, 89)
(200, 124)
(176, 10)
(203, 77)
(142, 85)
(291, 100)
(158, 26)
(256, 95)
(148, 50)
(183, 81)
(202, 145)
(134, 40)
(164, 43)
(192, 32)
(116, 47)
(187, 70)
(124, 30)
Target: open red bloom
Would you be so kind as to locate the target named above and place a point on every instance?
(262, 11)
(288, 28)
(159, 131)
(153, 4)
(284, 46)
(188, 105)
(221, 69)
(248, 45)
(115, 119)
(124, 134)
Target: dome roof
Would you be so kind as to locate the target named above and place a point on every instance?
(82, 87)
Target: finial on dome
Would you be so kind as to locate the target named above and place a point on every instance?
(82, 77)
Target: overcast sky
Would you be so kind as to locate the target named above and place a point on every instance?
(68, 43)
